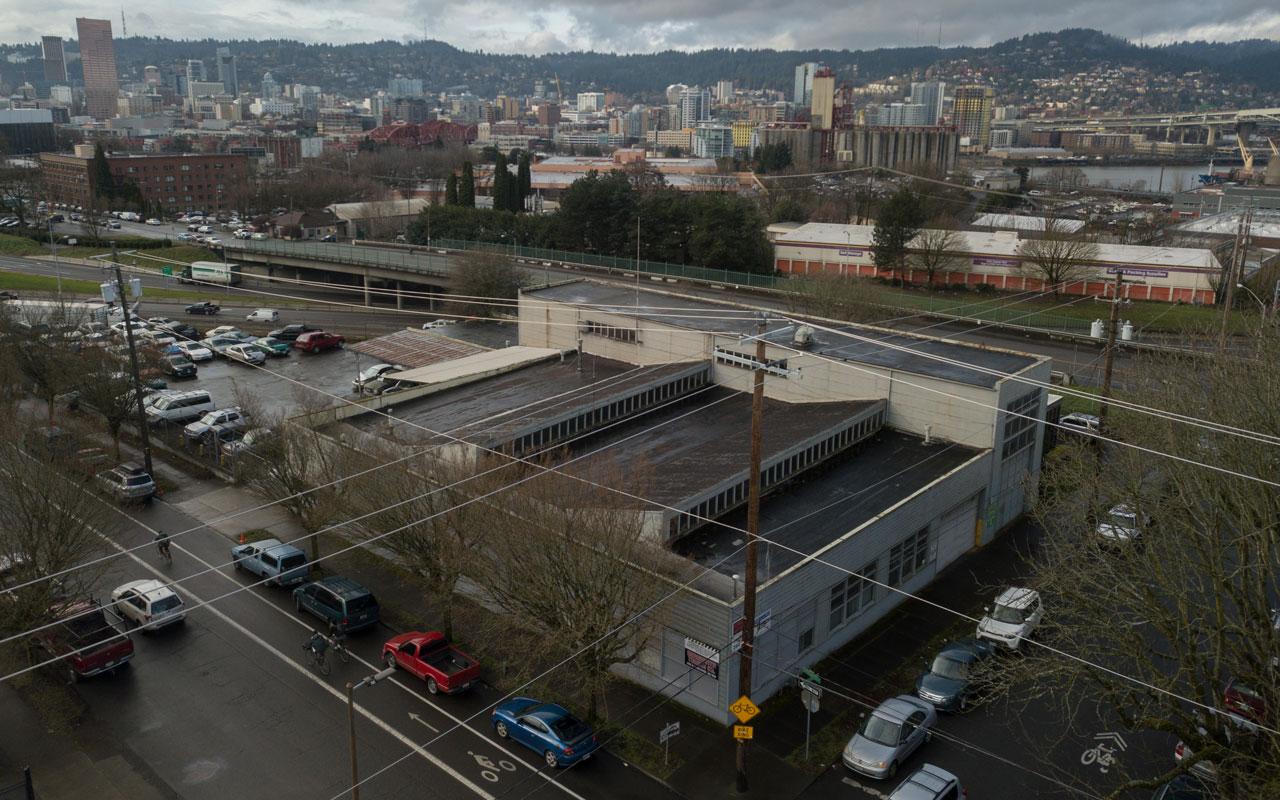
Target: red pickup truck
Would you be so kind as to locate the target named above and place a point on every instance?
(432, 658)
(86, 639)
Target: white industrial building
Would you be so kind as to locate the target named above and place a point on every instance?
(995, 258)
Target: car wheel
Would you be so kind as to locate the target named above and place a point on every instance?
(390, 660)
(963, 705)
(432, 686)
(501, 729)
(551, 759)
(893, 770)
(238, 566)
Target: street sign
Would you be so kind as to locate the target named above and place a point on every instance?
(672, 729)
(744, 709)
(810, 696)
(743, 732)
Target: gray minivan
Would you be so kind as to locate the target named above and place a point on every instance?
(180, 407)
(281, 564)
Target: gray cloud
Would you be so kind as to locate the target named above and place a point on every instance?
(538, 26)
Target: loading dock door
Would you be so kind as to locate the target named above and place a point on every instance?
(955, 531)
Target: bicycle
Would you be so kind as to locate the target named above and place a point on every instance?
(339, 646)
(163, 547)
(316, 659)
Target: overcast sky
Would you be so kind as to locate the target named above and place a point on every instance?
(534, 26)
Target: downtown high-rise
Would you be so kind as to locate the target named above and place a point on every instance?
(55, 61)
(98, 57)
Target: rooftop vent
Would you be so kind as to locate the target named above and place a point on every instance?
(803, 337)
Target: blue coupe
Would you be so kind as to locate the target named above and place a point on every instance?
(561, 738)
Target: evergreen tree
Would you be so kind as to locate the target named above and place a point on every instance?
(467, 186)
(524, 178)
(451, 190)
(501, 181)
(899, 221)
(103, 183)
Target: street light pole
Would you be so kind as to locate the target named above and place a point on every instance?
(351, 723)
(1262, 307)
(57, 266)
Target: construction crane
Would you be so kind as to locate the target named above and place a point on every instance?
(1245, 154)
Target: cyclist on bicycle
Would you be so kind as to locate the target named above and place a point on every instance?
(162, 544)
(317, 644)
(337, 639)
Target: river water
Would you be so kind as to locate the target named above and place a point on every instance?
(1175, 178)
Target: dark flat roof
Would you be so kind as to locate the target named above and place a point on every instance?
(691, 454)
(885, 350)
(826, 503)
(472, 405)
(711, 317)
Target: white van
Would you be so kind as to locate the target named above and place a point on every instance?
(182, 407)
(263, 315)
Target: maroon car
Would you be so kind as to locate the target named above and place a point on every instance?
(432, 658)
(318, 341)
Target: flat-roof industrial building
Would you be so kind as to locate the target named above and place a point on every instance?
(884, 453)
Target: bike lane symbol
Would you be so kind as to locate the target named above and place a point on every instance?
(489, 769)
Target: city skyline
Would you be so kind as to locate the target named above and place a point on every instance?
(606, 25)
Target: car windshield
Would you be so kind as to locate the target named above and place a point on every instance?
(359, 603)
(165, 604)
(1007, 614)
(880, 730)
(950, 668)
(569, 728)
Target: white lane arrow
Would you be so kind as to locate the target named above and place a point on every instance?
(417, 718)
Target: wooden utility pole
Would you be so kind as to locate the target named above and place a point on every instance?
(1229, 281)
(1109, 361)
(143, 432)
(753, 531)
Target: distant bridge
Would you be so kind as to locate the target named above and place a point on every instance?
(1199, 119)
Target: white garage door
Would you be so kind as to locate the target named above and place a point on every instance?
(955, 531)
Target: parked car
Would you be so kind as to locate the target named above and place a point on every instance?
(232, 417)
(292, 331)
(185, 237)
(1014, 617)
(947, 680)
(196, 351)
(1122, 524)
(163, 323)
(224, 330)
(263, 315)
(259, 237)
(86, 639)
(369, 374)
(129, 483)
(929, 783)
(182, 407)
(546, 728)
(386, 384)
(246, 442)
(281, 564)
(154, 221)
(1242, 699)
(890, 733)
(1183, 787)
(203, 307)
(179, 366)
(204, 229)
(1085, 424)
(119, 328)
(436, 323)
(212, 241)
(271, 346)
(245, 354)
(318, 341)
(338, 601)
(431, 657)
(183, 331)
(219, 344)
(148, 604)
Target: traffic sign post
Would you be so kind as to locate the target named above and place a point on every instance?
(665, 736)
(743, 732)
(810, 697)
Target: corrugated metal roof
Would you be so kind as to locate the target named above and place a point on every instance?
(478, 364)
(412, 348)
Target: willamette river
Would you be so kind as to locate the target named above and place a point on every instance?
(1174, 178)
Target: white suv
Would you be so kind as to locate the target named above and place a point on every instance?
(227, 417)
(1014, 617)
(148, 604)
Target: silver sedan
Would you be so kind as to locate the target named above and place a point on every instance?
(889, 735)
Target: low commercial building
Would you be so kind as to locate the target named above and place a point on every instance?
(996, 258)
(377, 218)
(552, 175)
(168, 182)
(886, 455)
(26, 130)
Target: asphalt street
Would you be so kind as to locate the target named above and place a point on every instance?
(224, 706)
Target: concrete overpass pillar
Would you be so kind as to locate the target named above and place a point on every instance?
(399, 297)
(365, 283)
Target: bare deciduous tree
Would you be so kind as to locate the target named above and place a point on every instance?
(937, 250)
(1186, 605)
(488, 277)
(833, 297)
(1058, 256)
(569, 559)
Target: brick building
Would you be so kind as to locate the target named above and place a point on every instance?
(168, 183)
